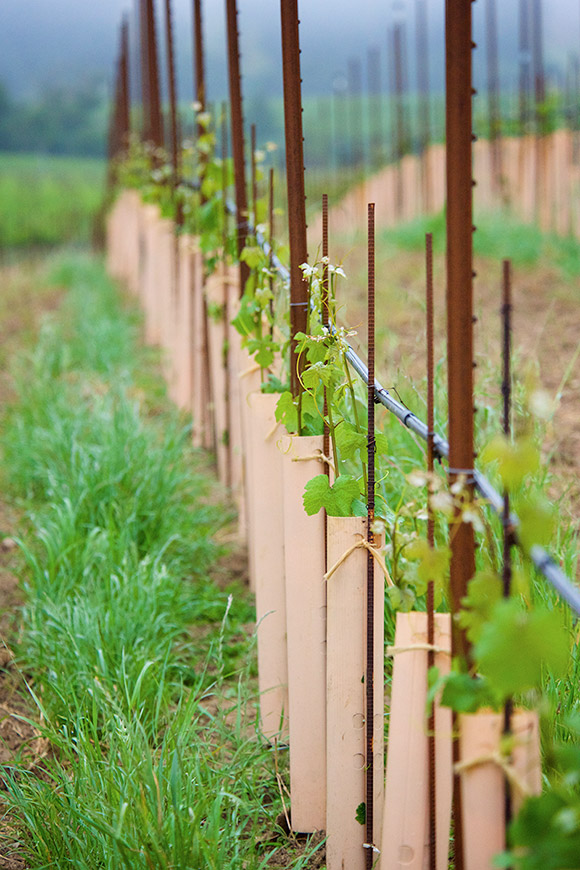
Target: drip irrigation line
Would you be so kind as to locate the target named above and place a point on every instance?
(542, 560)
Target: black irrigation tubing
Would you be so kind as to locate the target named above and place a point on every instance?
(540, 557)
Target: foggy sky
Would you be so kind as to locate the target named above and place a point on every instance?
(60, 42)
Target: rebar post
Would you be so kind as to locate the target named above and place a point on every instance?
(198, 57)
(145, 84)
(370, 633)
(458, 120)
(524, 72)
(324, 304)
(125, 93)
(153, 119)
(431, 542)
(173, 120)
(199, 90)
(354, 79)
(254, 174)
(271, 241)
(493, 96)
(460, 287)
(224, 150)
(295, 180)
(508, 541)
(424, 103)
(399, 90)
(375, 105)
(538, 62)
(237, 132)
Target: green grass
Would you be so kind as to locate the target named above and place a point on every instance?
(47, 201)
(132, 655)
(498, 236)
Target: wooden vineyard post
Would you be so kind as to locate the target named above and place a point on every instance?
(405, 839)
(345, 695)
(266, 543)
(306, 626)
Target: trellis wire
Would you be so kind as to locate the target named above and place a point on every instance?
(542, 560)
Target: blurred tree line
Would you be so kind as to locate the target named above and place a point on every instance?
(59, 121)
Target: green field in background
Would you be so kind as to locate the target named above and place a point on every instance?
(48, 200)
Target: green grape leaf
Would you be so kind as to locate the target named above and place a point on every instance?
(337, 499)
(483, 592)
(349, 440)
(263, 350)
(464, 694)
(401, 598)
(381, 444)
(312, 376)
(433, 562)
(274, 385)
(287, 412)
(253, 256)
(516, 644)
(245, 321)
(515, 460)
(537, 523)
(361, 814)
(541, 834)
(316, 494)
(316, 351)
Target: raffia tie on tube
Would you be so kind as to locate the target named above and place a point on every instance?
(319, 455)
(249, 371)
(417, 647)
(361, 545)
(500, 761)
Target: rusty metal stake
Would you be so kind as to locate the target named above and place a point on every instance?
(198, 57)
(114, 133)
(370, 673)
(237, 121)
(507, 529)
(540, 99)
(493, 97)
(399, 88)
(144, 57)
(324, 302)
(458, 38)
(431, 542)
(153, 122)
(125, 101)
(354, 78)
(375, 105)
(524, 76)
(460, 288)
(224, 149)
(199, 82)
(295, 181)
(271, 240)
(254, 174)
(174, 124)
(424, 125)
